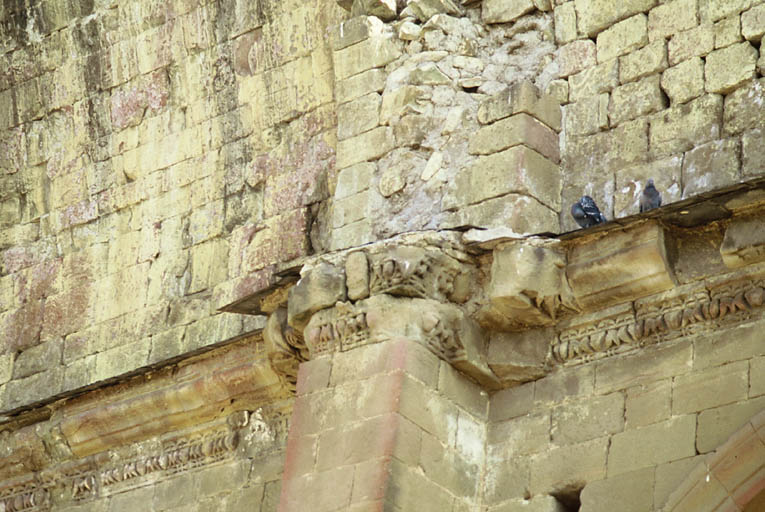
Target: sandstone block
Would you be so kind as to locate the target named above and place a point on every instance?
(399, 101)
(744, 243)
(511, 402)
(364, 83)
(727, 32)
(357, 275)
(753, 153)
(672, 17)
(695, 42)
(623, 37)
(518, 169)
(319, 287)
(369, 145)
(710, 388)
(507, 479)
(630, 181)
(636, 99)
(670, 475)
(739, 343)
(569, 465)
(558, 90)
(683, 127)
(565, 23)
(577, 56)
(373, 52)
(521, 213)
(352, 235)
(565, 383)
(650, 365)
(652, 445)
(594, 80)
(448, 469)
(685, 81)
(629, 492)
(627, 266)
(522, 97)
(503, 11)
(535, 504)
(358, 116)
(743, 108)
(512, 131)
(713, 10)
(350, 209)
(607, 152)
(711, 165)
(728, 68)
(648, 403)
(753, 23)
(465, 393)
(715, 426)
(519, 356)
(756, 376)
(525, 435)
(583, 420)
(643, 62)
(595, 15)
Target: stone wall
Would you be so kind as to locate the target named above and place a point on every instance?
(263, 254)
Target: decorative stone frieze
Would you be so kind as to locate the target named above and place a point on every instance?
(623, 266)
(744, 242)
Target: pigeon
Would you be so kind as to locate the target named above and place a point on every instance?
(586, 212)
(651, 198)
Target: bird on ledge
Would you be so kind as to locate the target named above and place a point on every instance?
(651, 198)
(586, 212)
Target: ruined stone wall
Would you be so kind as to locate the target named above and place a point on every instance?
(324, 164)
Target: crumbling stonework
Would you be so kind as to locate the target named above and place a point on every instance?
(318, 255)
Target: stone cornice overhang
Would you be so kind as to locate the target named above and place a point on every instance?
(507, 308)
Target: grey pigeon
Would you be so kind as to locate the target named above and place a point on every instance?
(651, 198)
(586, 212)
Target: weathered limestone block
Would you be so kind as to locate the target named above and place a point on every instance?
(354, 179)
(401, 100)
(711, 165)
(373, 52)
(369, 145)
(428, 73)
(520, 356)
(577, 56)
(753, 23)
(565, 23)
(512, 131)
(643, 62)
(594, 80)
(383, 9)
(503, 11)
(355, 30)
(515, 170)
(620, 267)
(744, 242)
(595, 15)
(744, 108)
(728, 68)
(359, 85)
(631, 492)
(522, 97)
(609, 151)
(684, 81)
(357, 275)
(630, 182)
(683, 127)
(713, 10)
(358, 116)
(319, 287)
(727, 32)
(528, 285)
(695, 42)
(520, 213)
(426, 9)
(753, 153)
(623, 37)
(672, 17)
(636, 99)
(588, 115)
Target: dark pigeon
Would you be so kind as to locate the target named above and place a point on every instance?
(586, 212)
(651, 198)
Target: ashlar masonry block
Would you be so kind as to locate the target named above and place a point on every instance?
(685, 81)
(695, 42)
(512, 131)
(515, 170)
(672, 17)
(620, 268)
(594, 80)
(374, 52)
(596, 15)
(623, 37)
(523, 97)
(753, 23)
(683, 127)
(503, 11)
(728, 68)
(636, 99)
(744, 108)
(650, 59)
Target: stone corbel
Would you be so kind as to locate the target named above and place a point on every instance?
(528, 286)
(744, 242)
(285, 347)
